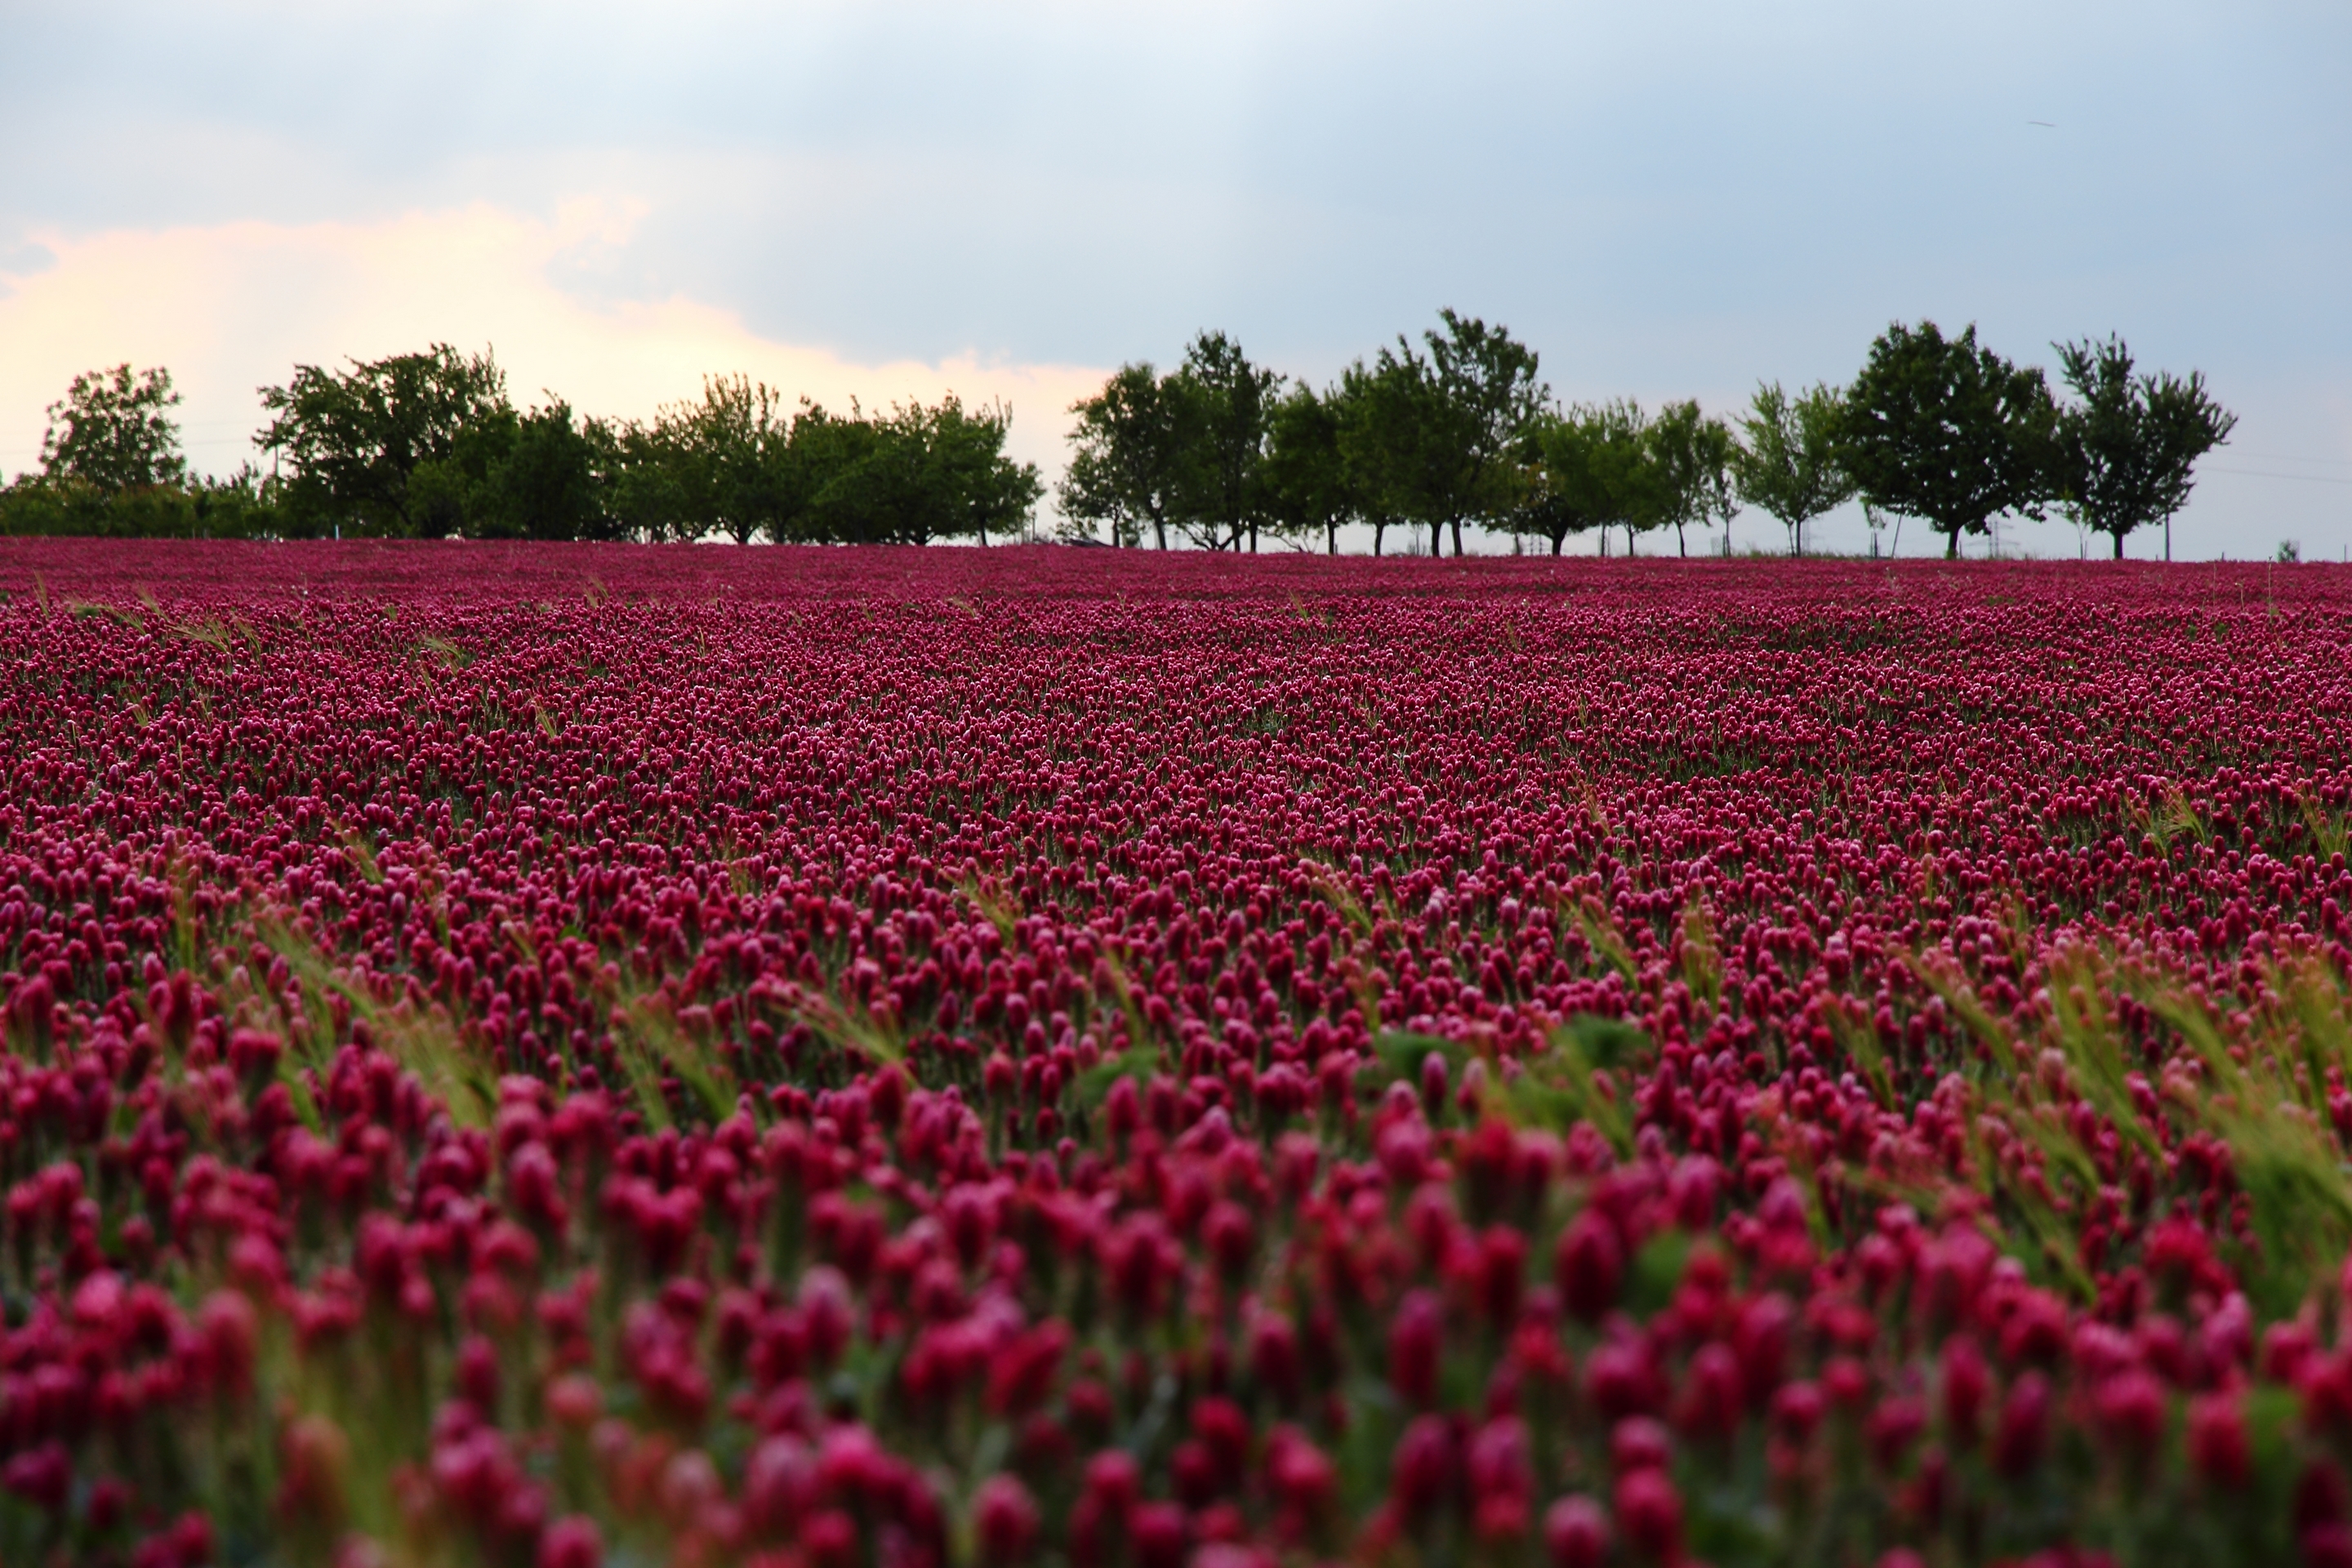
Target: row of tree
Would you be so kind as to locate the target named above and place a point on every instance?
(430, 445)
(1460, 431)
(1455, 432)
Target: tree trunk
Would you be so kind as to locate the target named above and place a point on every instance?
(1378, 529)
(1682, 546)
(1952, 545)
(1457, 539)
(1628, 542)
(1330, 537)
(1556, 541)
(2119, 544)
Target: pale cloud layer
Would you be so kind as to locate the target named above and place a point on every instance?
(890, 198)
(234, 307)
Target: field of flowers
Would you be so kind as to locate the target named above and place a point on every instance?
(577, 1056)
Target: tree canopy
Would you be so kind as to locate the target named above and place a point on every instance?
(2127, 448)
(113, 430)
(1789, 464)
(1948, 431)
(1449, 430)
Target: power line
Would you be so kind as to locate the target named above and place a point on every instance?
(2268, 474)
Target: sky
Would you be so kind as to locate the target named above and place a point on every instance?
(887, 201)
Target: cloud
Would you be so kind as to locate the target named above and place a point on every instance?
(230, 308)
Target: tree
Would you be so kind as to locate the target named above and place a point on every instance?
(1789, 464)
(731, 453)
(1947, 431)
(353, 439)
(915, 475)
(1362, 413)
(1489, 396)
(510, 476)
(1690, 455)
(1219, 490)
(1308, 487)
(114, 430)
(2125, 451)
(1450, 426)
(1555, 484)
(1129, 448)
(1393, 439)
(1601, 470)
(983, 488)
(641, 496)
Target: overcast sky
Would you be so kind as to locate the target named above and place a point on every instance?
(1671, 199)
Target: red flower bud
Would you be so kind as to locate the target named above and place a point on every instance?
(1968, 1385)
(2219, 1448)
(2130, 1410)
(1502, 1274)
(1575, 1533)
(2023, 1432)
(230, 1330)
(1004, 1518)
(1420, 1473)
(1650, 1513)
(572, 1543)
(1711, 1393)
(1416, 1340)
(1589, 1267)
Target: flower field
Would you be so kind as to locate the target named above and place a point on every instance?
(571, 1055)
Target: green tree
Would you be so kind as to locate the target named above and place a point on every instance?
(113, 430)
(1601, 470)
(1128, 455)
(1382, 411)
(1554, 494)
(1227, 401)
(640, 493)
(1400, 443)
(510, 476)
(1789, 464)
(730, 456)
(2127, 448)
(1691, 456)
(1490, 396)
(984, 489)
(353, 439)
(1309, 489)
(1948, 431)
(1441, 432)
(915, 475)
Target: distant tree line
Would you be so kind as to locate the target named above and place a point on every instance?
(1425, 440)
(1460, 431)
(429, 446)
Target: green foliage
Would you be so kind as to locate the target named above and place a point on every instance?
(1385, 414)
(114, 431)
(352, 440)
(1221, 485)
(1948, 431)
(915, 475)
(1128, 454)
(1691, 456)
(1439, 435)
(1789, 466)
(2125, 451)
(242, 506)
(1308, 487)
(1598, 471)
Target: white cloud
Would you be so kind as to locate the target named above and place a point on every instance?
(232, 307)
